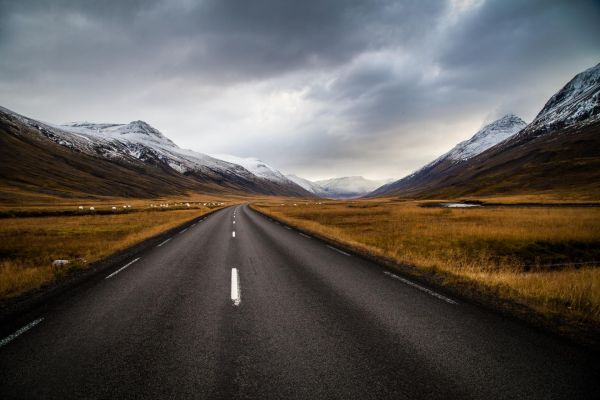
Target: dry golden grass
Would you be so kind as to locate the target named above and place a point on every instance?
(504, 251)
(29, 245)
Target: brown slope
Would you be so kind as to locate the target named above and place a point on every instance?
(565, 162)
(31, 163)
(147, 176)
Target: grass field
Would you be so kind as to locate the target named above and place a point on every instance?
(29, 245)
(510, 252)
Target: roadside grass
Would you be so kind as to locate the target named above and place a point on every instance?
(29, 245)
(508, 252)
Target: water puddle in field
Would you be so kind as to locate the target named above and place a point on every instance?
(459, 205)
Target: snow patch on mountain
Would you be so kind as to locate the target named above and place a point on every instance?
(339, 188)
(257, 167)
(348, 186)
(139, 140)
(306, 184)
(486, 137)
(135, 140)
(578, 102)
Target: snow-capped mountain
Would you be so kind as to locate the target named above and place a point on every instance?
(556, 153)
(348, 187)
(256, 166)
(487, 137)
(577, 103)
(306, 184)
(137, 141)
(338, 188)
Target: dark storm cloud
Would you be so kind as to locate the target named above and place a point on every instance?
(340, 85)
(223, 40)
(496, 48)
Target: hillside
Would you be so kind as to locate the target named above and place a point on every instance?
(131, 160)
(558, 153)
(447, 164)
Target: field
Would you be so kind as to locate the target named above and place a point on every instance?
(28, 245)
(547, 258)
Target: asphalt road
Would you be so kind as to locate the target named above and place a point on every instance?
(304, 321)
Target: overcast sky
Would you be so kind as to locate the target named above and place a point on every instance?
(318, 88)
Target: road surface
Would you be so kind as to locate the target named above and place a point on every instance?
(239, 306)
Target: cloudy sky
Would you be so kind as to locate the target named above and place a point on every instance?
(321, 88)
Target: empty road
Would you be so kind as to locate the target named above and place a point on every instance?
(238, 306)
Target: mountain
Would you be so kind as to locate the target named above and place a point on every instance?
(558, 153)
(306, 184)
(347, 187)
(445, 165)
(136, 152)
(338, 188)
(576, 104)
(263, 170)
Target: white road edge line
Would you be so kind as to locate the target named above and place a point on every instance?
(236, 295)
(163, 242)
(287, 227)
(233, 234)
(338, 250)
(21, 331)
(421, 288)
(306, 236)
(183, 231)
(122, 268)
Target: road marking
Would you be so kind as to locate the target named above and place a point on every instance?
(306, 236)
(21, 331)
(193, 225)
(287, 227)
(233, 234)
(164, 242)
(234, 222)
(122, 268)
(421, 288)
(338, 250)
(183, 231)
(236, 295)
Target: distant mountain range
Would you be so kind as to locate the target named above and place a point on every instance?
(131, 159)
(557, 153)
(347, 187)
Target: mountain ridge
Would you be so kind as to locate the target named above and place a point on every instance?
(558, 152)
(138, 142)
(488, 136)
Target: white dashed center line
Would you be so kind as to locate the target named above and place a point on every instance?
(421, 288)
(236, 295)
(233, 234)
(21, 331)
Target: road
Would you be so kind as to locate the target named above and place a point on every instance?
(303, 321)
